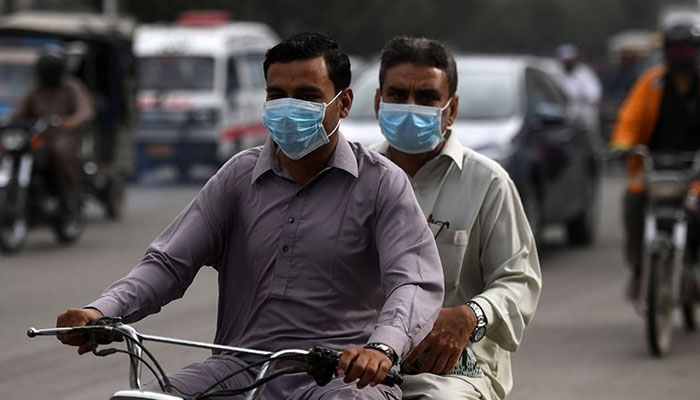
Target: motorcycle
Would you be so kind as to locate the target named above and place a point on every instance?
(320, 362)
(28, 196)
(670, 270)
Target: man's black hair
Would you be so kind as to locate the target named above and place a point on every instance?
(420, 51)
(308, 45)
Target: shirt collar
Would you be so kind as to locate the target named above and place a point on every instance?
(451, 149)
(342, 158)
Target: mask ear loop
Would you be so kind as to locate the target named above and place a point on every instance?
(442, 110)
(325, 106)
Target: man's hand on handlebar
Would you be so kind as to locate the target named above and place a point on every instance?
(367, 365)
(77, 317)
(68, 124)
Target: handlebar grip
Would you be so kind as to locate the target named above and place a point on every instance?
(393, 378)
(104, 337)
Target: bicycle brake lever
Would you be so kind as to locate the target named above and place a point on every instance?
(106, 337)
(324, 361)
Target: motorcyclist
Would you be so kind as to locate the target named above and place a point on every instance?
(662, 112)
(55, 93)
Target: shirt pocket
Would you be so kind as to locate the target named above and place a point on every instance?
(452, 246)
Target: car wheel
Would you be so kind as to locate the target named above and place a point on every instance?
(581, 229)
(533, 210)
(114, 198)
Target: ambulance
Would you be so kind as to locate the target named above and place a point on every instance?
(201, 91)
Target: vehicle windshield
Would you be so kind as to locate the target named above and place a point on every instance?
(176, 73)
(16, 80)
(483, 94)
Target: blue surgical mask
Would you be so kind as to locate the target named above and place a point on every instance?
(410, 128)
(297, 125)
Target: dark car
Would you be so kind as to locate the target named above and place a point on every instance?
(515, 112)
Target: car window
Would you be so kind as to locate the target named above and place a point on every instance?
(556, 91)
(254, 67)
(176, 73)
(231, 75)
(486, 95)
(539, 90)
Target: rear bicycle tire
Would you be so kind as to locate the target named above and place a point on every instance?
(689, 317)
(14, 225)
(659, 311)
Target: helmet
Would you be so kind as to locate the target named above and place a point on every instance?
(50, 68)
(681, 45)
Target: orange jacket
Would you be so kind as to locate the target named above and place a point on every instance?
(637, 119)
(639, 113)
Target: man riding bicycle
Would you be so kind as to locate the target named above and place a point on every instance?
(317, 241)
(662, 112)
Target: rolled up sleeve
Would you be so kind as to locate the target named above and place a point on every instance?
(410, 266)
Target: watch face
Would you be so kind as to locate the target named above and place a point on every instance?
(478, 334)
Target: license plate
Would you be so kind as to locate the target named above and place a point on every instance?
(160, 151)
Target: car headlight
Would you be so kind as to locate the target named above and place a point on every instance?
(666, 189)
(12, 140)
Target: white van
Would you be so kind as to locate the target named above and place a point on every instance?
(201, 91)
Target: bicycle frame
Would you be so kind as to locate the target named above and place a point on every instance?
(657, 241)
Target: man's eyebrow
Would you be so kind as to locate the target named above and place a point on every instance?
(396, 89)
(428, 92)
(273, 89)
(307, 89)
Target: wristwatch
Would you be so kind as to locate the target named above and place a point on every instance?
(388, 351)
(481, 322)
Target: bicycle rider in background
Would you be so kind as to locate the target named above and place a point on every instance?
(55, 93)
(662, 112)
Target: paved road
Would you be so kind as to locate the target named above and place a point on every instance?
(584, 343)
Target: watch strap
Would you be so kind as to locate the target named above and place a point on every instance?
(388, 351)
(481, 321)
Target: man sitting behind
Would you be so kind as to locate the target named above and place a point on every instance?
(492, 273)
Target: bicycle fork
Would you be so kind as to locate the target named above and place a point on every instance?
(661, 243)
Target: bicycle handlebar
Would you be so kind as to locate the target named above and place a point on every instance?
(321, 363)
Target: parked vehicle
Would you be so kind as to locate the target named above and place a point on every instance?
(321, 363)
(28, 195)
(201, 90)
(511, 110)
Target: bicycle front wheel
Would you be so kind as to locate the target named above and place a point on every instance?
(659, 307)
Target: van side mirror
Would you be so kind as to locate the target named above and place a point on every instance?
(550, 113)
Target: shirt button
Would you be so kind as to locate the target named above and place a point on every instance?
(285, 249)
(290, 220)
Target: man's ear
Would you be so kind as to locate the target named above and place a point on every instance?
(345, 101)
(377, 99)
(452, 111)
